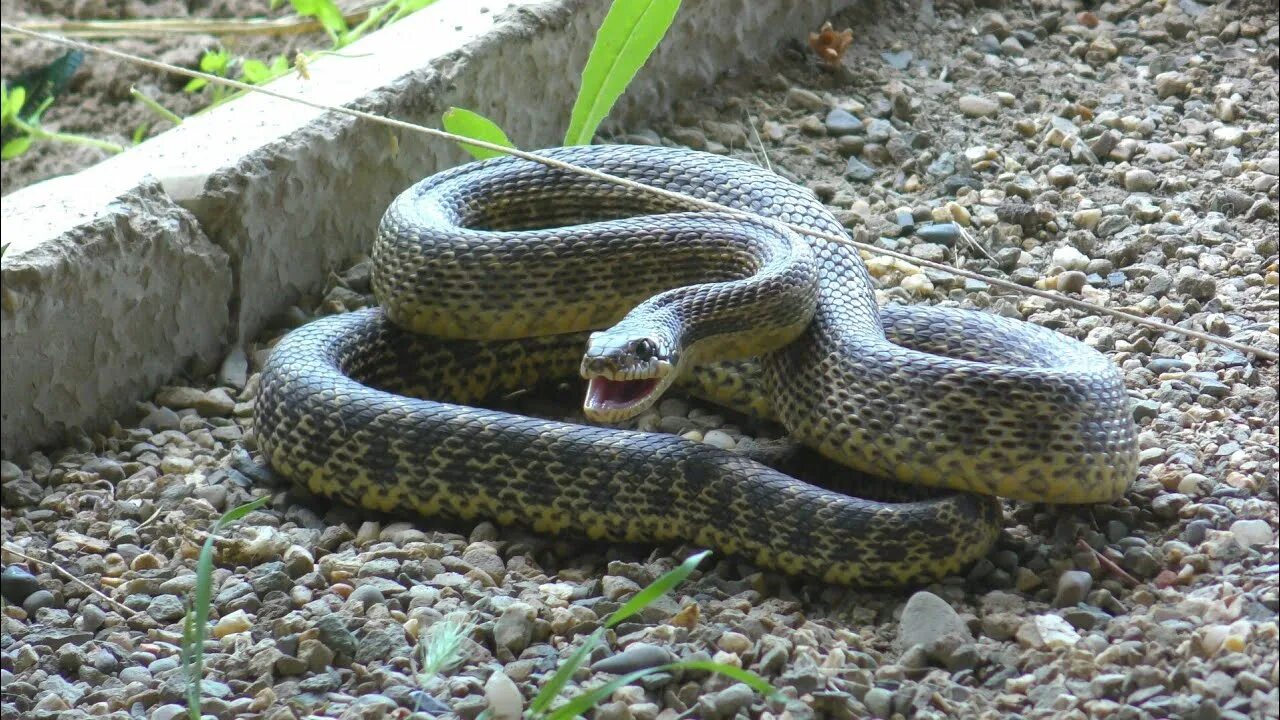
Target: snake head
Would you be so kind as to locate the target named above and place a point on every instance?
(625, 374)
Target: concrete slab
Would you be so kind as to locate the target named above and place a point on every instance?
(107, 291)
(289, 193)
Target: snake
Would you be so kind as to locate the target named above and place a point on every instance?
(501, 274)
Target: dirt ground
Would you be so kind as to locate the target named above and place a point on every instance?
(98, 102)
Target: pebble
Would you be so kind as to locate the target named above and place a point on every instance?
(977, 106)
(17, 584)
(927, 618)
(1140, 180)
(842, 122)
(38, 601)
(505, 701)
(1073, 587)
(1248, 533)
(858, 171)
(879, 702)
(1061, 176)
(1047, 631)
(636, 656)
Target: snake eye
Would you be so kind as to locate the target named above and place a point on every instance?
(645, 350)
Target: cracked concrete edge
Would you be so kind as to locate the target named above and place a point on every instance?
(97, 315)
(116, 287)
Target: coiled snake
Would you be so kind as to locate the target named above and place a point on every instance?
(489, 282)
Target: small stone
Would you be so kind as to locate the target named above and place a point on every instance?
(1228, 136)
(168, 712)
(928, 618)
(805, 99)
(334, 635)
(92, 617)
(1169, 84)
(1047, 631)
(637, 656)
(1248, 533)
(1140, 180)
(858, 171)
(1061, 176)
(977, 106)
(1073, 587)
(726, 703)
(39, 600)
(1072, 281)
(734, 642)
(166, 608)
(234, 371)
(235, 622)
(1070, 258)
(17, 584)
(366, 596)
(943, 233)
(504, 698)
(720, 439)
(514, 628)
(879, 702)
(1195, 283)
(842, 122)
(173, 465)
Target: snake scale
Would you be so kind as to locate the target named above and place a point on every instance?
(493, 275)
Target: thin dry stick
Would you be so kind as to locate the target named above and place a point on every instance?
(659, 192)
(157, 27)
(126, 610)
(1108, 564)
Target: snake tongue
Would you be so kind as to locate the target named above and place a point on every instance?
(604, 394)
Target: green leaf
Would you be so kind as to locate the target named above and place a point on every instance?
(16, 147)
(140, 132)
(194, 85)
(548, 693)
(474, 125)
(13, 101)
(328, 13)
(215, 62)
(626, 39)
(655, 589)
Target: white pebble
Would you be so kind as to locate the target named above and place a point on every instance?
(1251, 532)
(720, 439)
(1070, 258)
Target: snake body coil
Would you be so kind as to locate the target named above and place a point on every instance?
(491, 260)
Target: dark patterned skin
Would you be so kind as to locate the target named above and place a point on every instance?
(359, 408)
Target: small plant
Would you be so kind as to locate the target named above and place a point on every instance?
(330, 17)
(829, 45)
(540, 708)
(196, 626)
(222, 63)
(24, 100)
(629, 34)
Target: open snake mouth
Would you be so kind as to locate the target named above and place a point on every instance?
(607, 397)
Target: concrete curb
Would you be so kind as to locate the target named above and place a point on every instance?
(121, 275)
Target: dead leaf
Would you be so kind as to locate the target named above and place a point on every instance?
(830, 45)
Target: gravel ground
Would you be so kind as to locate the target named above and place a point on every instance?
(1127, 155)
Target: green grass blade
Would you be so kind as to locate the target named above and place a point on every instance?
(588, 700)
(655, 589)
(194, 633)
(626, 39)
(474, 125)
(561, 677)
(754, 681)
